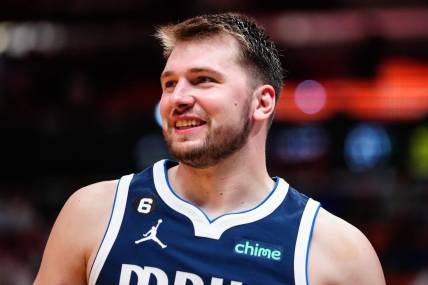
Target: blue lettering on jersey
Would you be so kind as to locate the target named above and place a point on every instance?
(258, 249)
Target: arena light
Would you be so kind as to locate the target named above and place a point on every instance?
(157, 115)
(418, 152)
(310, 96)
(305, 106)
(19, 39)
(22, 39)
(399, 92)
(347, 25)
(4, 38)
(50, 37)
(367, 146)
(300, 144)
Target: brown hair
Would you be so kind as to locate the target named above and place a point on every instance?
(258, 52)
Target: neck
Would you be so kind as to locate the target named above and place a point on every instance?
(237, 183)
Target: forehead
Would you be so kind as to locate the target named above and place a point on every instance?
(219, 52)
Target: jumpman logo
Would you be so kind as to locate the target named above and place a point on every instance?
(151, 235)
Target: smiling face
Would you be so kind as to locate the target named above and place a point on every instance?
(206, 101)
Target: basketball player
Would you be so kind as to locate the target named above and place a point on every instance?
(215, 216)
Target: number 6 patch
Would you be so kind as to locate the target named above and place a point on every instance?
(145, 205)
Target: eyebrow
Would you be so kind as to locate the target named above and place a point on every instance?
(166, 74)
(194, 70)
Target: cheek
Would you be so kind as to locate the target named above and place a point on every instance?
(220, 102)
(228, 110)
(163, 105)
(164, 108)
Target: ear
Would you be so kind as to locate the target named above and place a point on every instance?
(264, 99)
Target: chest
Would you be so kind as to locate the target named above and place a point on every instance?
(158, 245)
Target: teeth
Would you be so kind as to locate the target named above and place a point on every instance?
(187, 123)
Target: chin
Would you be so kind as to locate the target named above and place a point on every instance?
(184, 149)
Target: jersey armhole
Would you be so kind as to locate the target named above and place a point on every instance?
(303, 243)
(112, 228)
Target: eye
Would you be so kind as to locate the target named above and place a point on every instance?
(169, 84)
(203, 79)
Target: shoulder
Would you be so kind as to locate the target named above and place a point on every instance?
(88, 207)
(87, 212)
(341, 254)
(87, 200)
(79, 226)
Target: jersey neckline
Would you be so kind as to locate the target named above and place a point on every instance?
(203, 225)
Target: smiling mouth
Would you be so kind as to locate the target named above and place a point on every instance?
(187, 124)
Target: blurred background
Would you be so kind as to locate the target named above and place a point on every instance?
(79, 87)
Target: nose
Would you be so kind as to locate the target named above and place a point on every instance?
(182, 97)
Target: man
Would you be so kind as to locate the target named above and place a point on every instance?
(216, 216)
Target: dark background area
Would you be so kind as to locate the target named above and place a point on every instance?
(79, 82)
